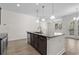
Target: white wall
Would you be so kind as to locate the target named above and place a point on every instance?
(16, 24)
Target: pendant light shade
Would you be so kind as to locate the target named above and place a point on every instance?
(37, 18)
(52, 16)
(43, 19)
(37, 21)
(76, 18)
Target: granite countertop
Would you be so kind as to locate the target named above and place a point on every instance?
(48, 36)
(3, 35)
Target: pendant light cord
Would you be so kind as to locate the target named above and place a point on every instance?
(52, 8)
(43, 10)
(37, 12)
(76, 12)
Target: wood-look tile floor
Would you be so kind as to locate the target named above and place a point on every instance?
(20, 47)
(72, 47)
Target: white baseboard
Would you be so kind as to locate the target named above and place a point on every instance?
(61, 52)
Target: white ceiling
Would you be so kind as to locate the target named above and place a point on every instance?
(60, 9)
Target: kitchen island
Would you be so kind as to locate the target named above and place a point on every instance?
(45, 44)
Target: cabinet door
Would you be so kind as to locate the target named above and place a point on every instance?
(28, 37)
(31, 39)
(0, 47)
(43, 45)
(35, 40)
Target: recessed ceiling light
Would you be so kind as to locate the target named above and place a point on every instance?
(37, 3)
(18, 5)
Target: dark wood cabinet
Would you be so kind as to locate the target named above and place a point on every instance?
(39, 42)
(35, 41)
(0, 47)
(43, 45)
(28, 37)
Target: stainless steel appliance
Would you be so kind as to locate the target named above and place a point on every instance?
(3, 43)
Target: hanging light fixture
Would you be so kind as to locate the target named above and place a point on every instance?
(52, 16)
(43, 19)
(76, 18)
(37, 20)
(77, 15)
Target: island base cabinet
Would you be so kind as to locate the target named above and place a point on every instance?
(43, 45)
(55, 46)
(47, 46)
(39, 43)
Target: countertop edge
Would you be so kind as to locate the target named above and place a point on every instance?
(53, 36)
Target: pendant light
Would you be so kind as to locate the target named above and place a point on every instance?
(77, 14)
(76, 18)
(37, 18)
(52, 16)
(43, 19)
